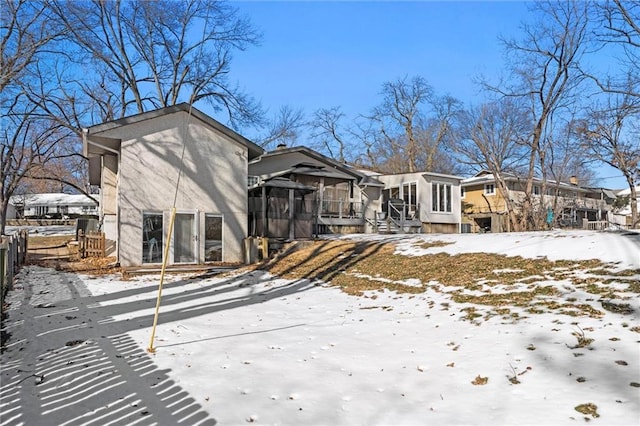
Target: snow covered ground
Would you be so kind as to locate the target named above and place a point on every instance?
(253, 348)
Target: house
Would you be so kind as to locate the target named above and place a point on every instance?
(485, 209)
(430, 201)
(177, 156)
(621, 214)
(53, 206)
(331, 197)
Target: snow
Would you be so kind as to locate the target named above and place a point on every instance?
(253, 348)
(44, 230)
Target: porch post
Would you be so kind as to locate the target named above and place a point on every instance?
(292, 207)
(263, 210)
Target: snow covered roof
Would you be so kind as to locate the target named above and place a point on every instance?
(52, 199)
(627, 191)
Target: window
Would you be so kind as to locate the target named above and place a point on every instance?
(462, 192)
(409, 195)
(152, 238)
(489, 189)
(253, 180)
(441, 197)
(536, 190)
(212, 238)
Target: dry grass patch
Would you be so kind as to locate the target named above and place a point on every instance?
(358, 267)
(42, 241)
(430, 244)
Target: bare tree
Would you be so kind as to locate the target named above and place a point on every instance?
(145, 55)
(29, 144)
(329, 134)
(544, 67)
(28, 140)
(490, 138)
(413, 125)
(611, 134)
(398, 113)
(619, 27)
(283, 128)
(26, 32)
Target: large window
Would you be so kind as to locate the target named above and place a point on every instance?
(409, 195)
(152, 238)
(212, 238)
(441, 197)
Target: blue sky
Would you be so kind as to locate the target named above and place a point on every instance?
(324, 54)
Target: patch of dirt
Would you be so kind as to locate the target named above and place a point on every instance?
(91, 266)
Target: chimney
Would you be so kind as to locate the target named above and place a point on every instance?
(573, 180)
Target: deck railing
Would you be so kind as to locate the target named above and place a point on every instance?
(343, 209)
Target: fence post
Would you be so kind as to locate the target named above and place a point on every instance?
(4, 284)
(81, 243)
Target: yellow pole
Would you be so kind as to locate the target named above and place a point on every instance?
(165, 256)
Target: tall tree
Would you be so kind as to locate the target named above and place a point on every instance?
(329, 134)
(610, 134)
(153, 54)
(400, 110)
(413, 124)
(618, 28)
(28, 139)
(544, 67)
(489, 137)
(283, 128)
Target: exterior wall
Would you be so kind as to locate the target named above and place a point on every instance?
(483, 203)
(433, 221)
(372, 200)
(427, 213)
(213, 181)
(570, 205)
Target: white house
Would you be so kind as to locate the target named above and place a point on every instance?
(430, 200)
(622, 216)
(175, 156)
(53, 205)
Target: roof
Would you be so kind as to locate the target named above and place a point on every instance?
(332, 168)
(52, 199)
(627, 191)
(96, 130)
(284, 183)
(487, 177)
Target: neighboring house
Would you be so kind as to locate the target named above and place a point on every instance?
(331, 197)
(621, 216)
(484, 208)
(53, 206)
(430, 201)
(175, 156)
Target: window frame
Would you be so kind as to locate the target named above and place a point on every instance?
(441, 197)
(486, 189)
(149, 256)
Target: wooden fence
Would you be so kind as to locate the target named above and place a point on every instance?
(91, 244)
(13, 254)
